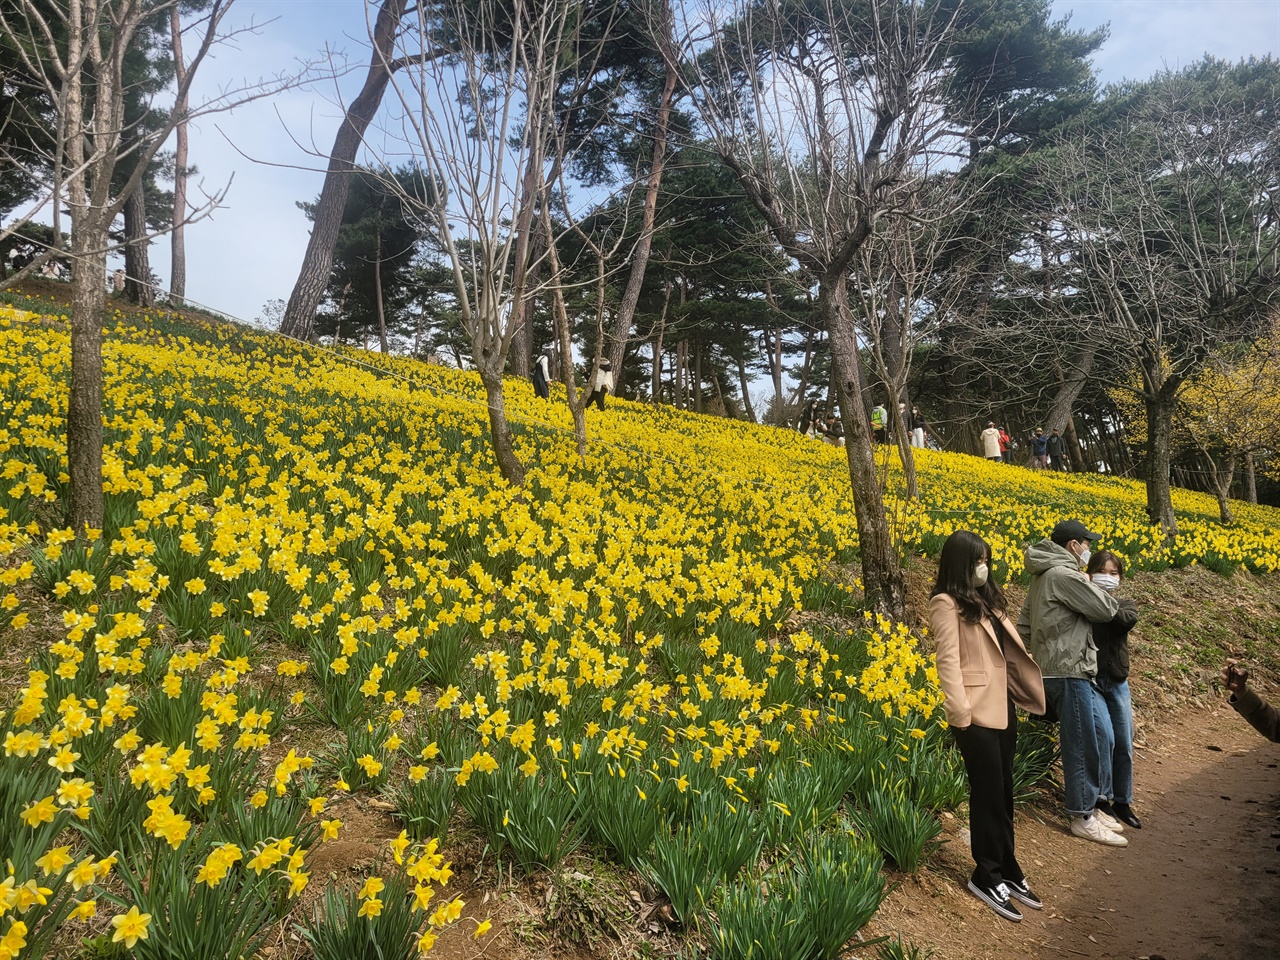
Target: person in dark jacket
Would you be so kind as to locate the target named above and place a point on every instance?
(1106, 570)
(1056, 449)
(1261, 715)
(1039, 450)
(810, 419)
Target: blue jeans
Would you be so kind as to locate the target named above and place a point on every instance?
(1080, 708)
(1119, 709)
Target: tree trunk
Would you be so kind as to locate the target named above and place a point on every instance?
(883, 583)
(84, 411)
(1223, 475)
(178, 267)
(1069, 391)
(1159, 407)
(1074, 452)
(377, 295)
(682, 350)
(803, 388)
(657, 345)
(640, 257)
(1250, 479)
(697, 376)
(746, 389)
(905, 451)
(499, 429)
(317, 263)
(137, 262)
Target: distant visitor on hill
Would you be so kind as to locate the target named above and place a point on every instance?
(991, 442)
(1056, 449)
(1039, 450)
(542, 377)
(879, 423)
(810, 416)
(834, 431)
(915, 426)
(601, 384)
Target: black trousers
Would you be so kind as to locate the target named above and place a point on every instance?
(988, 760)
(597, 397)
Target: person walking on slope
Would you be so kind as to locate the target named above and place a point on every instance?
(984, 671)
(991, 442)
(917, 427)
(601, 384)
(1039, 450)
(1106, 570)
(880, 423)
(1056, 449)
(542, 377)
(1056, 624)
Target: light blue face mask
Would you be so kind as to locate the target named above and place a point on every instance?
(1107, 581)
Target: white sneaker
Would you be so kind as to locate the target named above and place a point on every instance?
(1108, 821)
(1091, 828)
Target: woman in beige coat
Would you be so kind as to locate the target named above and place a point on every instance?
(984, 671)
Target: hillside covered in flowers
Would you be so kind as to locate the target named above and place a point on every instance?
(312, 584)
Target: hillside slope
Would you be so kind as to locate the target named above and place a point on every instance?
(315, 598)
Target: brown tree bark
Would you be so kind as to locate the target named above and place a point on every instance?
(377, 295)
(84, 411)
(499, 428)
(656, 372)
(746, 389)
(1250, 479)
(625, 316)
(317, 263)
(137, 261)
(178, 241)
(883, 582)
(1071, 383)
(1159, 406)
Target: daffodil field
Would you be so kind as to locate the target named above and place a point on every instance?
(312, 583)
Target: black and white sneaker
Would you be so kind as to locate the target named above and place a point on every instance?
(1020, 891)
(997, 898)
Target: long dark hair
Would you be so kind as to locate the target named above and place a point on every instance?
(1099, 560)
(960, 554)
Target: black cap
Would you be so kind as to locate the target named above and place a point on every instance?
(1068, 530)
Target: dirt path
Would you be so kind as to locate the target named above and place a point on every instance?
(1201, 879)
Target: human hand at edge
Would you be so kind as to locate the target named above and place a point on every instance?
(1235, 677)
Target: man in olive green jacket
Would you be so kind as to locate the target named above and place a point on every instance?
(1057, 626)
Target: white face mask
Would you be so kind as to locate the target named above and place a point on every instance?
(1107, 581)
(980, 574)
(1084, 555)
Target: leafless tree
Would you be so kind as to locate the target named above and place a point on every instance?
(1174, 204)
(824, 112)
(386, 41)
(900, 301)
(477, 121)
(62, 45)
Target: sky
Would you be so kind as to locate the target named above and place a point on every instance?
(248, 252)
